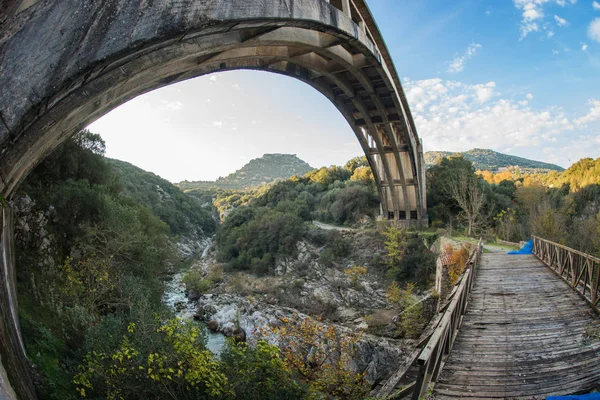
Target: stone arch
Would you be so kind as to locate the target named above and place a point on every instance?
(65, 64)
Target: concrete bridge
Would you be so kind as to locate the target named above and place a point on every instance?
(63, 64)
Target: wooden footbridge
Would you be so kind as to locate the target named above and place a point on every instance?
(516, 327)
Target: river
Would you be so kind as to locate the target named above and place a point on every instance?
(174, 297)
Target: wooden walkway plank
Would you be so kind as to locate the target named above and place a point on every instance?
(522, 336)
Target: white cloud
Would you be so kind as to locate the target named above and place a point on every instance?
(596, 5)
(575, 149)
(529, 96)
(560, 21)
(485, 91)
(555, 52)
(455, 116)
(217, 124)
(594, 30)
(533, 16)
(593, 115)
(458, 64)
(584, 46)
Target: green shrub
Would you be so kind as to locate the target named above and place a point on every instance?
(339, 246)
(216, 273)
(195, 282)
(407, 257)
(317, 236)
(412, 319)
(251, 239)
(258, 372)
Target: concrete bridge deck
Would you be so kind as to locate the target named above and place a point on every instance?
(523, 336)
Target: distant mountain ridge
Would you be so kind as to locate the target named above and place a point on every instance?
(485, 159)
(259, 171)
(273, 167)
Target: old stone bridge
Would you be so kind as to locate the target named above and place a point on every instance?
(63, 64)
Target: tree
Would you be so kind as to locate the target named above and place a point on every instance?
(364, 174)
(408, 258)
(327, 176)
(355, 163)
(465, 190)
(353, 202)
(395, 245)
(169, 361)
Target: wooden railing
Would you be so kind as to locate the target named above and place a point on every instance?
(436, 342)
(438, 348)
(581, 271)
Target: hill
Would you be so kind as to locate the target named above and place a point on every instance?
(583, 173)
(259, 171)
(485, 159)
(184, 214)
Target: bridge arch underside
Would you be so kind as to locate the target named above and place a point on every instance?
(61, 70)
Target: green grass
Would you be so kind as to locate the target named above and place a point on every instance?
(495, 246)
(505, 247)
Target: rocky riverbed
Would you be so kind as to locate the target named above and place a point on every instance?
(229, 313)
(242, 304)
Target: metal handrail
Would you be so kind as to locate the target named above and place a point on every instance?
(580, 270)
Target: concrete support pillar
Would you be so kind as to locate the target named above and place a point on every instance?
(422, 186)
(346, 7)
(12, 353)
(362, 26)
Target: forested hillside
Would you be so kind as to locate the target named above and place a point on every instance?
(489, 160)
(259, 171)
(185, 215)
(559, 206)
(272, 222)
(92, 259)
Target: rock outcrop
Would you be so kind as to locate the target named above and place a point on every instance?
(231, 314)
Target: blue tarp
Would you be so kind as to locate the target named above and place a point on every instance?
(527, 249)
(589, 396)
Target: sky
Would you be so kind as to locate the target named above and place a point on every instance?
(517, 76)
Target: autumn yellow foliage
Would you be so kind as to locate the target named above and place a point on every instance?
(354, 273)
(457, 261)
(319, 355)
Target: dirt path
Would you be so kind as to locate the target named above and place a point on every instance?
(329, 227)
